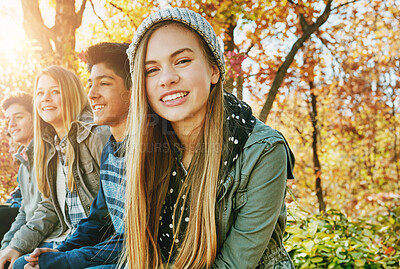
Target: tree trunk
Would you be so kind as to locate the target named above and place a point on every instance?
(34, 26)
(239, 87)
(229, 45)
(308, 30)
(317, 165)
(62, 34)
(396, 154)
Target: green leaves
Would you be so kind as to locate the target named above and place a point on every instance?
(333, 241)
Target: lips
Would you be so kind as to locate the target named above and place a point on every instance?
(13, 132)
(174, 96)
(46, 108)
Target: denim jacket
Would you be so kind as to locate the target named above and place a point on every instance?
(251, 212)
(87, 141)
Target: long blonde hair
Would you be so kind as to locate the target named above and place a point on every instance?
(149, 162)
(73, 101)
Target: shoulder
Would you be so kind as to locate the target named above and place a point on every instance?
(85, 130)
(264, 136)
(268, 146)
(95, 135)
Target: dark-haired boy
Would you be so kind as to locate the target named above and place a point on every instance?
(18, 110)
(98, 239)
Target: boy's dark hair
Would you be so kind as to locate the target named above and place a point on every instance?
(114, 56)
(22, 98)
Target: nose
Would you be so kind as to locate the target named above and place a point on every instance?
(46, 96)
(169, 76)
(11, 123)
(93, 94)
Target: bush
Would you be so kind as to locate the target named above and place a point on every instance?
(331, 240)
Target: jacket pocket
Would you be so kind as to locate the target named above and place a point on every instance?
(90, 177)
(240, 199)
(87, 168)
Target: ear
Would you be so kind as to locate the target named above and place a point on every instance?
(126, 95)
(214, 74)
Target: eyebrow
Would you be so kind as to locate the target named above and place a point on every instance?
(100, 77)
(52, 87)
(172, 55)
(15, 114)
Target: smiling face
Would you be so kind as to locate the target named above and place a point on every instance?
(20, 124)
(108, 96)
(48, 101)
(178, 75)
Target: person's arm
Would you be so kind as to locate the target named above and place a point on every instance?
(93, 229)
(88, 246)
(93, 243)
(19, 221)
(252, 229)
(41, 225)
(106, 252)
(98, 140)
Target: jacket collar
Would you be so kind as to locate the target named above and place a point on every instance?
(238, 125)
(28, 151)
(82, 127)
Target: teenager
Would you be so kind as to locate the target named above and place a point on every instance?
(206, 180)
(98, 239)
(18, 110)
(67, 155)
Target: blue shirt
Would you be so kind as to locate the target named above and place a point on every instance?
(98, 239)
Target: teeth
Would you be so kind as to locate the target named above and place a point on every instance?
(174, 96)
(47, 108)
(97, 107)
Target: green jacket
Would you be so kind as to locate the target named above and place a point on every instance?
(87, 140)
(251, 212)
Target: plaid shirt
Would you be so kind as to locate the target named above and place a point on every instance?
(74, 211)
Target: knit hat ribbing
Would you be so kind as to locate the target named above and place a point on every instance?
(188, 17)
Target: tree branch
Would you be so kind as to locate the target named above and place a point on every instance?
(345, 4)
(280, 75)
(34, 26)
(79, 14)
(98, 16)
(120, 9)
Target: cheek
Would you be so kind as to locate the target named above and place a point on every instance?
(58, 101)
(38, 112)
(151, 96)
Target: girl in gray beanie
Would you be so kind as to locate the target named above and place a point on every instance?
(206, 180)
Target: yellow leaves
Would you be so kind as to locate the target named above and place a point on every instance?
(359, 263)
(294, 230)
(317, 259)
(312, 228)
(308, 245)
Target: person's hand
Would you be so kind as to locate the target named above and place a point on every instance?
(33, 258)
(8, 255)
(29, 266)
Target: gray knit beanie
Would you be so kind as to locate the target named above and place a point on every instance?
(188, 17)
